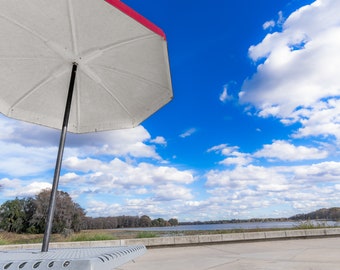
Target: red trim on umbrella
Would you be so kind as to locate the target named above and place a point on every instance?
(136, 16)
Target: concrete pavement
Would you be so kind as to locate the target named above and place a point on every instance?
(301, 254)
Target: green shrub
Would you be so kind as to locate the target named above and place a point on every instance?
(95, 237)
(308, 224)
(3, 242)
(146, 235)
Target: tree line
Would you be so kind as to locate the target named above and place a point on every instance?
(324, 213)
(126, 222)
(234, 221)
(28, 215)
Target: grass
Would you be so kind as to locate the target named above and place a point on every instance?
(147, 235)
(86, 235)
(3, 242)
(92, 237)
(305, 225)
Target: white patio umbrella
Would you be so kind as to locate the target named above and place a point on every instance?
(81, 66)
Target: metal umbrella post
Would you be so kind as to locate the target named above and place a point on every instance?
(52, 203)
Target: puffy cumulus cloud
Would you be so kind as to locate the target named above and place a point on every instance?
(244, 177)
(83, 165)
(248, 190)
(159, 140)
(135, 142)
(109, 177)
(96, 208)
(128, 188)
(133, 207)
(69, 177)
(282, 150)
(27, 150)
(24, 161)
(297, 78)
(12, 188)
(269, 24)
(322, 173)
(229, 206)
(121, 166)
(287, 189)
(234, 157)
(321, 120)
(172, 192)
(27, 134)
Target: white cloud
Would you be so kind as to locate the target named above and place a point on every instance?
(217, 148)
(173, 192)
(299, 73)
(243, 177)
(19, 160)
(17, 188)
(253, 190)
(109, 176)
(268, 24)
(134, 142)
(282, 150)
(287, 189)
(159, 140)
(188, 133)
(127, 142)
(224, 96)
(234, 157)
(133, 207)
(27, 150)
(321, 120)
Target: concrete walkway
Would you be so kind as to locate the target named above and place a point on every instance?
(301, 254)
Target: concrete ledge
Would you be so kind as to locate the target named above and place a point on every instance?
(296, 233)
(275, 234)
(231, 237)
(315, 232)
(185, 240)
(254, 235)
(332, 231)
(212, 238)
(191, 240)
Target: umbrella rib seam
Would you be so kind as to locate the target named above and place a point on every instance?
(40, 84)
(126, 41)
(118, 101)
(22, 26)
(43, 82)
(129, 74)
(73, 27)
(31, 31)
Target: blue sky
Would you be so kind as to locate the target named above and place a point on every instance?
(253, 130)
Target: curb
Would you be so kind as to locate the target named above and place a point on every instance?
(191, 240)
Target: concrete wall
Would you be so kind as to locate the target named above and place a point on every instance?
(192, 239)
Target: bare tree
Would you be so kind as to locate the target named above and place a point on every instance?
(68, 215)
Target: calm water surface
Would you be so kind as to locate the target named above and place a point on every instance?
(230, 226)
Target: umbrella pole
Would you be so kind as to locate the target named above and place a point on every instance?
(52, 203)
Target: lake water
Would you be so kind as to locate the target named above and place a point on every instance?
(231, 226)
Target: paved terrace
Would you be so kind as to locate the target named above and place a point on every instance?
(301, 254)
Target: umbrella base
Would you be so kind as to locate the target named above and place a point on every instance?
(103, 258)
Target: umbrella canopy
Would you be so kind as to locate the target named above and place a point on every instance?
(82, 66)
(123, 71)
